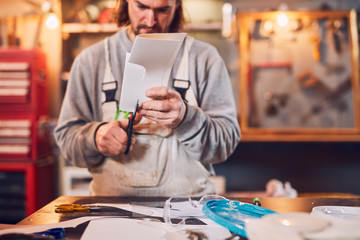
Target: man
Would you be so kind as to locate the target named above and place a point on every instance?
(176, 140)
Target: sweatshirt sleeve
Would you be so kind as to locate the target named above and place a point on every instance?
(210, 132)
(77, 123)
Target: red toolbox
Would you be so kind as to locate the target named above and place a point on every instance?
(26, 163)
(23, 105)
(23, 81)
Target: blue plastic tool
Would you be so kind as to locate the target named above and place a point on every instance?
(57, 233)
(233, 214)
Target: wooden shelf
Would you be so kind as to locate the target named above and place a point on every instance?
(299, 138)
(88, 28)
(112, 27)
(208, 26)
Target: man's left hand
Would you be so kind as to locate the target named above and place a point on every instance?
(166, 107)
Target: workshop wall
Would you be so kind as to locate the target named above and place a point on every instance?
(309, 166)
(260, 5)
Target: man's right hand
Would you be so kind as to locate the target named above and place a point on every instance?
(111, 138)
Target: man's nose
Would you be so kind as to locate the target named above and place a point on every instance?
(150, 18)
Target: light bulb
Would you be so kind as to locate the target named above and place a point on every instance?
(282, 20)
(45, 6)
(227, 15)
(268, 26)
(52, 21)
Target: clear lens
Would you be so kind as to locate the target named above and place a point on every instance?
(185, 202)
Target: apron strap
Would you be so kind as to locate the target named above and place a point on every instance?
(109, 88)
(181, 83)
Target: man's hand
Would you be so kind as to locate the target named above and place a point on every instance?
(166, 107)
(111, 138)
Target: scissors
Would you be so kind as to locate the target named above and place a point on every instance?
(130, 127)
(71, 207)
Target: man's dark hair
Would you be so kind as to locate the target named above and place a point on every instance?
(122, 17)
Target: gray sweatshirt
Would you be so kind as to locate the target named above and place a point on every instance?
(176, 163)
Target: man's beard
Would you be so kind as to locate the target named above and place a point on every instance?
(154, 29)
